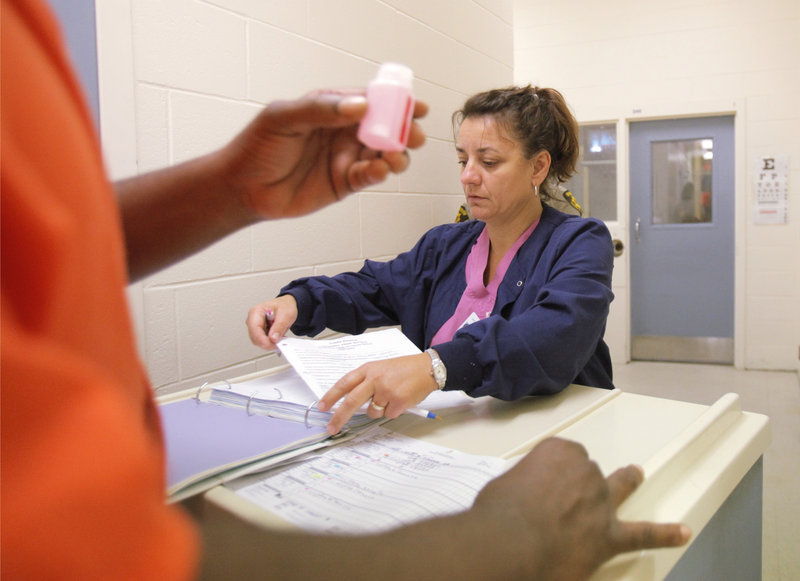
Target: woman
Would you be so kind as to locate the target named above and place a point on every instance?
(513, 303)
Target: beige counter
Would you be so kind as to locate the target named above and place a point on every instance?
(694, 457)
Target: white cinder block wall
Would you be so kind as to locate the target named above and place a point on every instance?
(180, 78)
(627, 59)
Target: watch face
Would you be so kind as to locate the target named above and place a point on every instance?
(438, 372)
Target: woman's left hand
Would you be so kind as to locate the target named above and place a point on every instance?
(393, 385)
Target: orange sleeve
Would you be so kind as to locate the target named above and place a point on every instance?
(82, 488)
(81, 454)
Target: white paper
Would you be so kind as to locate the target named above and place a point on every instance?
(378, 481)
(286, 385)
(322, 362)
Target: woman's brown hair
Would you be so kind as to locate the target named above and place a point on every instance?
(539, 119)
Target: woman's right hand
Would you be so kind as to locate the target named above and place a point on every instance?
(268, 322)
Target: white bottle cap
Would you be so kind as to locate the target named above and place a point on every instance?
(395, 73)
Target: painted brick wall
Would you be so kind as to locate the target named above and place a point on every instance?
(180, 78)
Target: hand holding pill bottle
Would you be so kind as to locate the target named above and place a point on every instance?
(390, 108)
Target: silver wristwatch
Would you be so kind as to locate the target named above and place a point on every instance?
(438, 370)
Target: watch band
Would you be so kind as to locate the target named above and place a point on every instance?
(438, 370)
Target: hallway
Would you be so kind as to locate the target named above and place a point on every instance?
(773, 393)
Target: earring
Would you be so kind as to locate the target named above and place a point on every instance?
(535, 191)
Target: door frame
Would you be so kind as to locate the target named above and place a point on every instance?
(620, 229)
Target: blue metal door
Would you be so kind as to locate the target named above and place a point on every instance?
(682, 239)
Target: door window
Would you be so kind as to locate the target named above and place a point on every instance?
(595, 183)
(682, 181)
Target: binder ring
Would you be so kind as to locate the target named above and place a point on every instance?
(249, 399)
(199, 389)
(280, 395)
(202, 387)
(308, 409)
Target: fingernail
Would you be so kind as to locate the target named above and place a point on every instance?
(352, 104)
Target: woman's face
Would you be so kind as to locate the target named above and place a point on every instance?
(497, 178)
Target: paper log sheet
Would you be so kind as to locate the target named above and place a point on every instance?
(379, 481)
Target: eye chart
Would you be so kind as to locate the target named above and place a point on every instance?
(772, 190)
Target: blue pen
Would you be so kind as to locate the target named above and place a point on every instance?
(423, 413)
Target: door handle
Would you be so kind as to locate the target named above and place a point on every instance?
(636, 226)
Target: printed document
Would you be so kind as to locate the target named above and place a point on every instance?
(378, 481)
(322, 362)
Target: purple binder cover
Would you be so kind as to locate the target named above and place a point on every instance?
(201, 437)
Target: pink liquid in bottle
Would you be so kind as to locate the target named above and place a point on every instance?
(390, 109)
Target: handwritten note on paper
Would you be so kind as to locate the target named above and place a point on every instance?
(379, 481)
(322, 362)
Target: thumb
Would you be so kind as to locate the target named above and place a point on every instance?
(318, 109)
(278, 328)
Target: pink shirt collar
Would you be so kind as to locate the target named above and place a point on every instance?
(477, 301)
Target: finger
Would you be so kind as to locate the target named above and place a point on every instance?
(278, 328)
(282, 313)
(376, 410)
(341, 388)
(367, 153)
(332, 108)
(352, 103)
(350, 405)
(635, 536)
(416, 137)
(256, 327)
(420, 109)
(363, 174)
(353, 166)
(352, 106)
(561, 448)
(623, 482)
(394, 409)
(320, 108)
(398, 161)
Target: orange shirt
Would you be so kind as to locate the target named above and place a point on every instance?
(82, 459)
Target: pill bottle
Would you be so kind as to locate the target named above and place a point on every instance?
(390, 109)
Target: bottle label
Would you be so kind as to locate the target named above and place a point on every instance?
(407, 121)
